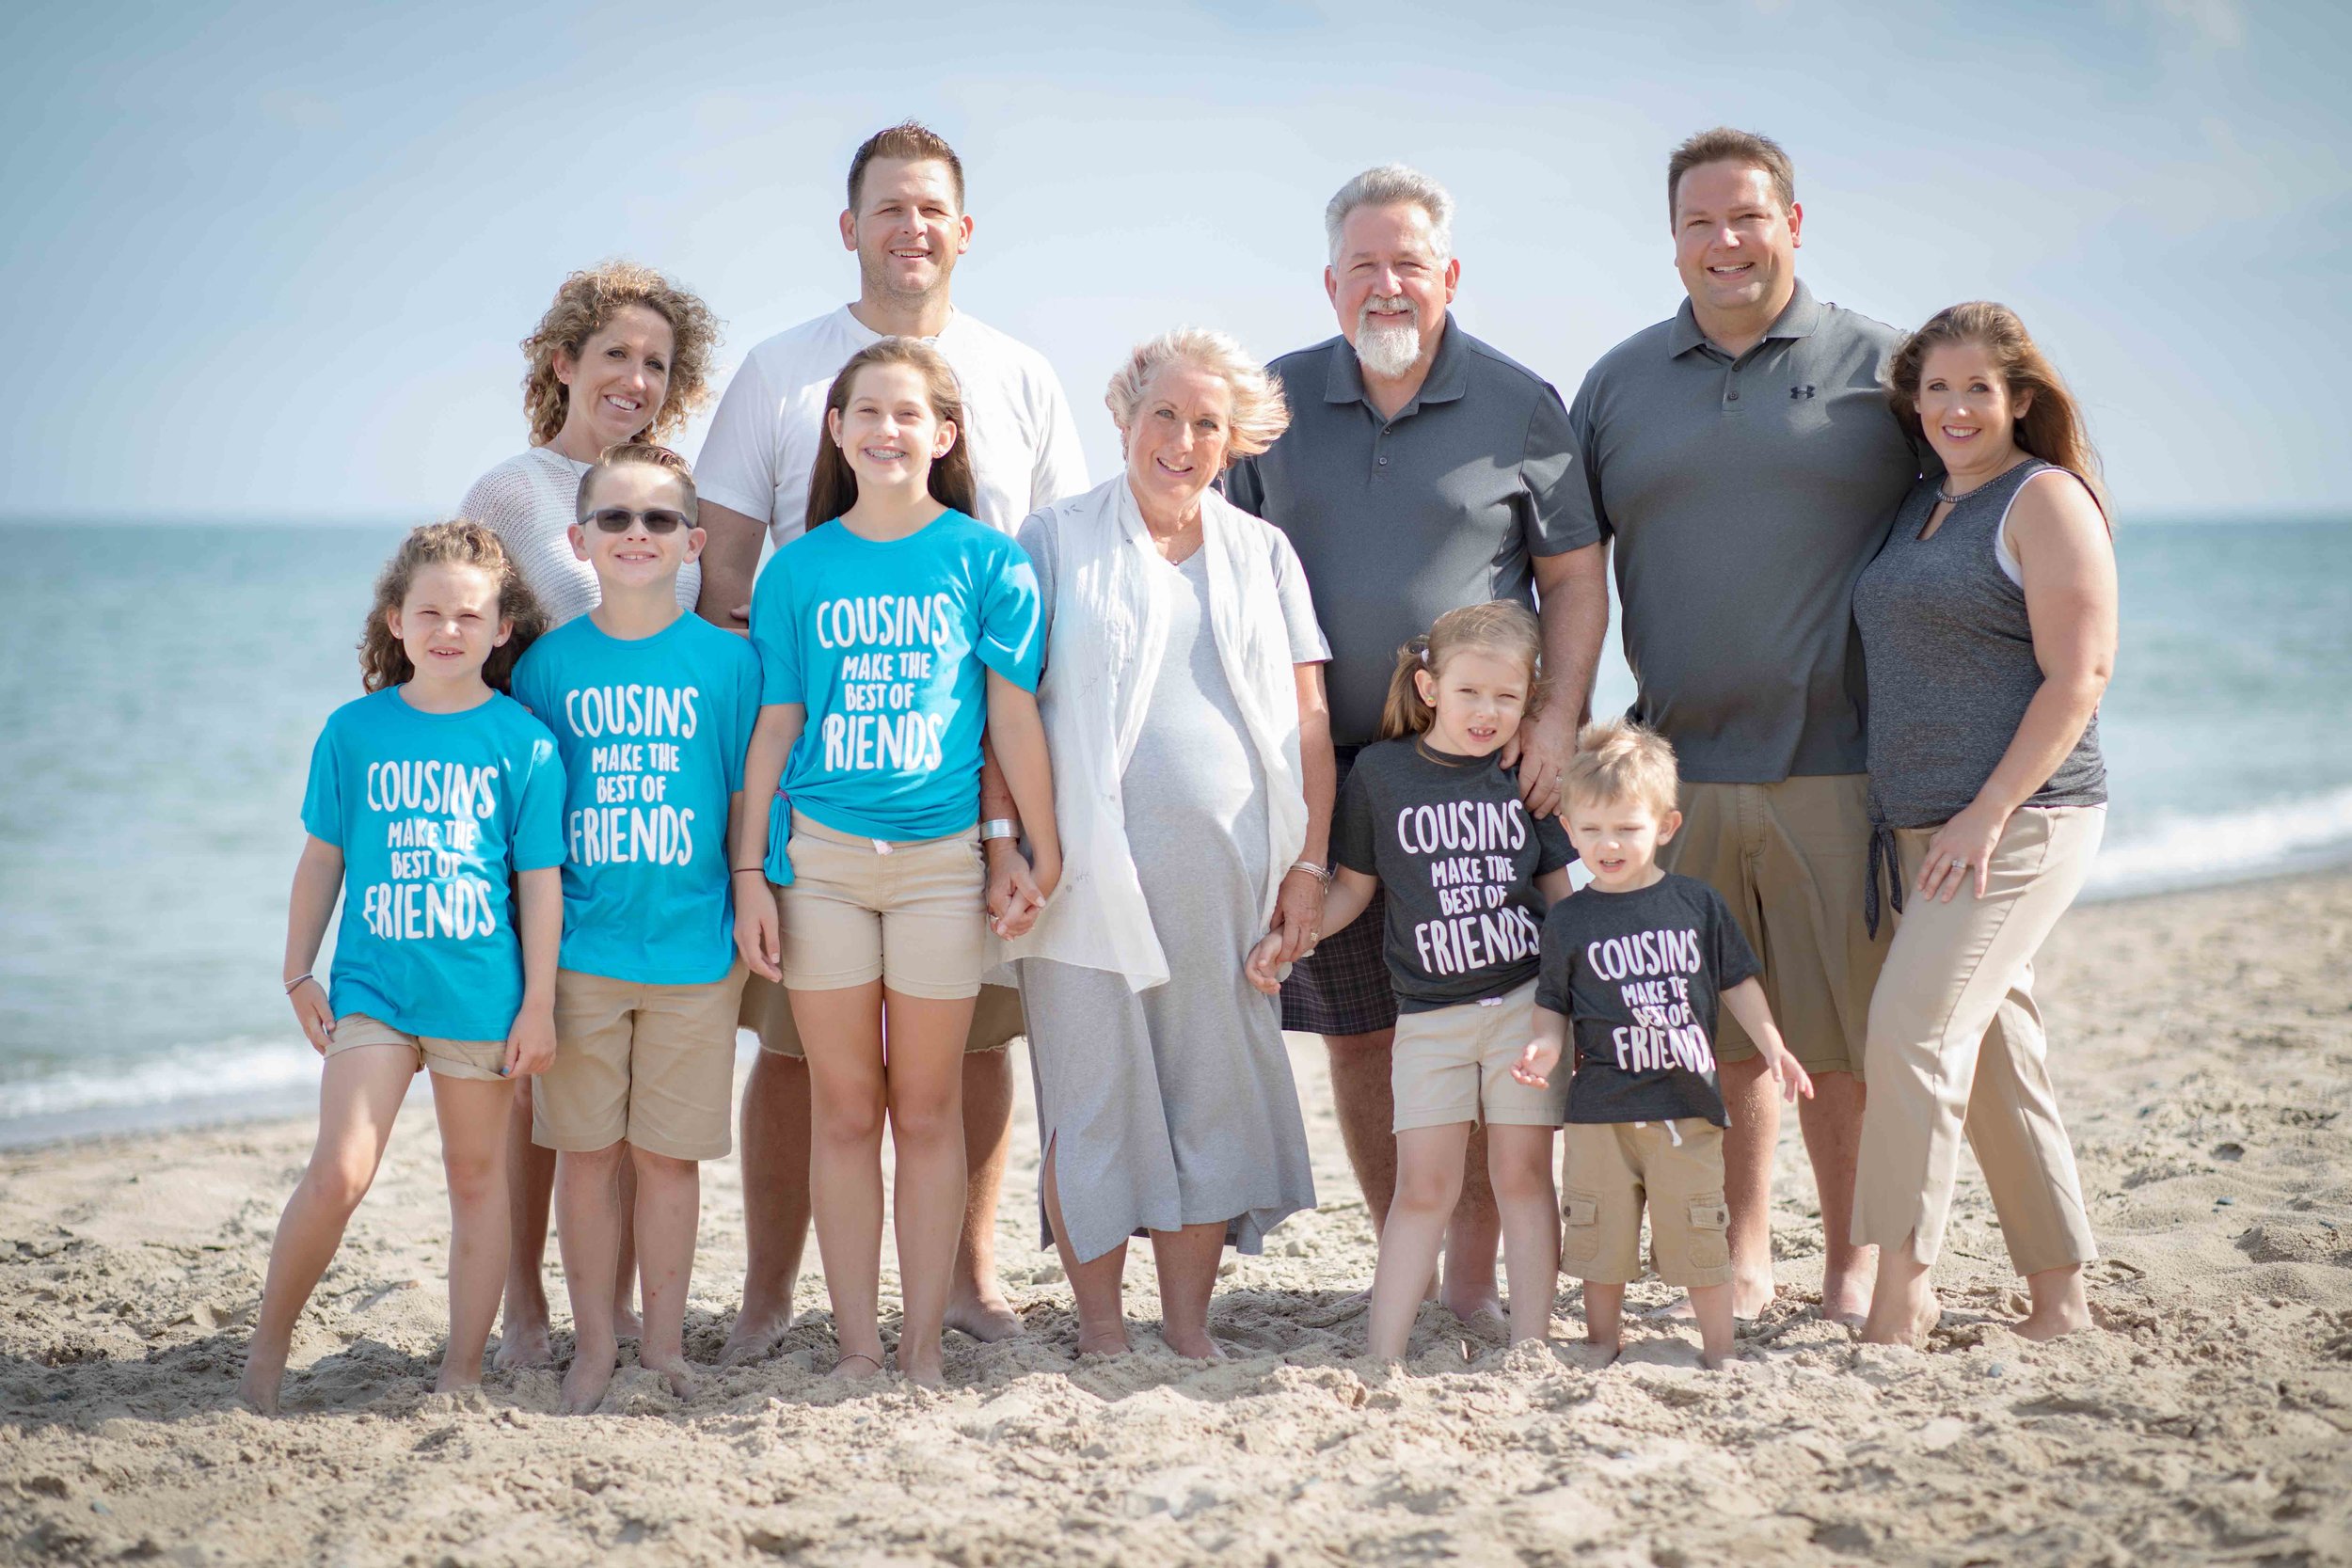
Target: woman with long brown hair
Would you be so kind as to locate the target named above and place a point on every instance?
(1988, 624)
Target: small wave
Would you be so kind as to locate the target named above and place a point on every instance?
(2230, 844)
(235, 1068)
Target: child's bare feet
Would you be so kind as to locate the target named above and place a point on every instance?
(1105, 1340)
(856, 1367)
(627, 1325)
(523, 1335)
(1593, 1354)
(676, 1372)
(981, 1312)
(591, 1374)
(754, 1337)
(454, 1380)
(1192, 1344)
(256, 1390)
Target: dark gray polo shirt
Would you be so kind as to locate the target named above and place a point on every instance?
(1399, 520)
(1744, 497)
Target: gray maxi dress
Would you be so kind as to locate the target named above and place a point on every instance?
(1174, 1106)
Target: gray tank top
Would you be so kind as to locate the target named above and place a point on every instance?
(1949, 656)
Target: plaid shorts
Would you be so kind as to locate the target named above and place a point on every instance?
(1343, 987)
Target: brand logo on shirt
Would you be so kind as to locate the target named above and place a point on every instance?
(1803, 393)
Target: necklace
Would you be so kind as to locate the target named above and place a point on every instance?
(1944, 491)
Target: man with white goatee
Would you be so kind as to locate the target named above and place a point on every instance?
(1422, 470)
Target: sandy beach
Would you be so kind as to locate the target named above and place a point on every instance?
(2203, 1043)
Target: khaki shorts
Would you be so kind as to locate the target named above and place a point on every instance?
(913, 914)
(652, 1064)
(1792, 859)
(478, 1059)
(1607, 1170)
(1453, 1064)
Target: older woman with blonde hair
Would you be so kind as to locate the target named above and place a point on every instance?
(1183, 705)
(623, 354)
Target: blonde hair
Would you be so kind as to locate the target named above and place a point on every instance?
(1620, 760)
(832, 484)
(1260, 413)
(585, 305)
(635, 455)
(2052, 429)
(1501, 627)
(383, 662)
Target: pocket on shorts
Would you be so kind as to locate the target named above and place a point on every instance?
(1579, 1228)
(1711, 1233)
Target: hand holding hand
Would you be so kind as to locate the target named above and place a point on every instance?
(1014, 899)
(1263, 960)
(1298, 915)
(312, 1012)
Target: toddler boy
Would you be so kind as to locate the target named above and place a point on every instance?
(1639, 960)
(652, 709)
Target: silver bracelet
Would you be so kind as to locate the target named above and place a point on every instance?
(999, 827)
(305, 975)
(1320, 873)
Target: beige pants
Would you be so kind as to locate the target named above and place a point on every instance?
(1956, 1045)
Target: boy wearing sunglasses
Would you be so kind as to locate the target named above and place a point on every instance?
(652, 709)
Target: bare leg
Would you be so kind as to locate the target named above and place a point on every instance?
(976, 1302)
(1095, 1283)
(848, 1104)
(669, 1213)
(775, 1203)
(1428, 1181)
(1470, 1240)
(925, 1079)
(2059, 1304)
(1604, 1317)
(1832, 1123)
(359, 1095)
(474, 1114)
(588, 1234)
(1711, 1305)
(1520, 1161)
(1367, 1112)
(531, 1186)
(1902, 1307)
(626, 1323)
(1186, 1261)
(1753, 1099)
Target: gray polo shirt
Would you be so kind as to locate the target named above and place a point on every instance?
(1399, 520)
(1744, 497)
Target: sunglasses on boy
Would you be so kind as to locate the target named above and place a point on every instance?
(658, 520)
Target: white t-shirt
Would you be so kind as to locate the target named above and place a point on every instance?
(762, 445)
(529, 502)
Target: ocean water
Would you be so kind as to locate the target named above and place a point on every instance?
(160, 686)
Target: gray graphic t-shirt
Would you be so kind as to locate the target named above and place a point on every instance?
(1458, 855)
(1640, 973)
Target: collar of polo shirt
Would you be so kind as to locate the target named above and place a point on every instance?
(1344, 383)
(1797, 320)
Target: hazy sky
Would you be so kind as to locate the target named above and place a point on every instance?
(273, 258)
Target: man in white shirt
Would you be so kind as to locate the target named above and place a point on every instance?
(907, 225)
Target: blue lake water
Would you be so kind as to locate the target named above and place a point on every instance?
(160, 686)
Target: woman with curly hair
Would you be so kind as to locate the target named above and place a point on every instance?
(622, 355)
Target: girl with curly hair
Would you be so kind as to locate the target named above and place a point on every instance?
(429, 798)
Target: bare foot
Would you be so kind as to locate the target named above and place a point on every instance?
(451, 1381)
(627, 1325)
(1847, 1300)
(754, 1337)
(927, 1372)
(1749, 1298)
(1593, 1354)
(1913, 1331)
(590, 1376)
(256, 1390)
(1476, 1306)
(1110, 1339)
(2054, 1321)
(1193, 1346)
(856, 1367)
(676, 1372)
(985, 1315)
(523, 1340)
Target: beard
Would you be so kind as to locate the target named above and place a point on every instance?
(1386, 350)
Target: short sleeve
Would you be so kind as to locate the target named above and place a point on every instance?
(1041, 542)
(1734, 960)
(1307, 645)
(528, 687)
(1552, 847)
(1011, 637)
(1579, 497)
(1061, 465)
(742, 709)
(736, 467)
(323, 797)
(1553, 470)
(538, 841)
(1351, 826)
(1555, 977)
(775, 638)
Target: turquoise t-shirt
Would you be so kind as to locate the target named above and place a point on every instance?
(434, 813)
(888, 645)
(651, 733)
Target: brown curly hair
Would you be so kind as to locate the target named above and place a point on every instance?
(583, 307)
(457, 543)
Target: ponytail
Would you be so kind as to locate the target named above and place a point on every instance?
(1404, 713)
(1500, 626)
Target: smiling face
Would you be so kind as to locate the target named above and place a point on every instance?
(1479, 697)
(1735, 244)
(619, 379)
(638, 557)
(1618, 840)
(907, 228)
(1966, 408)
(1389, 286)
(1177, 439)
(449, 621)
(888, 431)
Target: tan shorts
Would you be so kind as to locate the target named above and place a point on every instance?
(479, 1059)
(1609, 1170)
(1790, 859)
(913, 916)
(652, 1064)
(1453, 1064)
